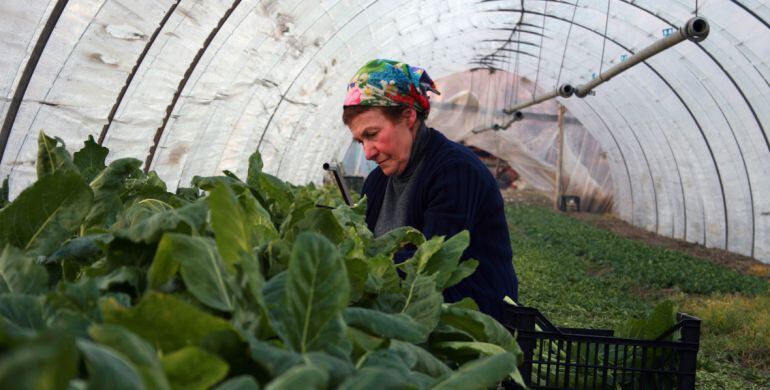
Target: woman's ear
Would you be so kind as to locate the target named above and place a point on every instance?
(411, 117)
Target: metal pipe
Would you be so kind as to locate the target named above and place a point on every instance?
(517, 116)
(335, 169)
(696, 30)
(565, 90)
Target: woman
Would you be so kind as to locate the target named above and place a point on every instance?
(425, 181)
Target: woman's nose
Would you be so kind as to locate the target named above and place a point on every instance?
(370, 152)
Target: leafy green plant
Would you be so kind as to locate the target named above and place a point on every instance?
(629, 262)
(603, 290)
(109, 280)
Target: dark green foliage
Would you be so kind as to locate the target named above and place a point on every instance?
(46, 214)
(4, 191)
(574, 290)
(107, 280)
(90, 159)
(633, 262)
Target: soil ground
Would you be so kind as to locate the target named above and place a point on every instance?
(743, 264)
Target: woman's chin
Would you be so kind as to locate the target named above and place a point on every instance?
(387, 169)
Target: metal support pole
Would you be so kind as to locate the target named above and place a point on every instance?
(517, 116)
(565, 90)
(335, 169)
(696, 30)
(559, 158)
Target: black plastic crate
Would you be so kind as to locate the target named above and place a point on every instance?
(570, 358)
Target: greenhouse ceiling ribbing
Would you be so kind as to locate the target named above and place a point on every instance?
(194, 87)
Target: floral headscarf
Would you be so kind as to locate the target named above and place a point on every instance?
(390, 83)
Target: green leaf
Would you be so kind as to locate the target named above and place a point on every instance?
(141, 186)
(263, 230)
(90, 159)
(375, 378)
(240, 224)
(387, 359)
(107, 187)
(662, 318)
(108, 368)
(231, 228)
(166, 322)
(481, 374)
(423, 302)
(471, 349)
(140, 353)
(254, 281)
(464, 269)
(23, 314)
(122, 251)
(478, 325)
(277, 193)
(74, 303)
(243, 382)
(51, 157)
(425, 362)
(255, 169)
(188, 194)
(81, 248)
(363, 342)
(357, 275)
(392, 326)
(296, 213)
(393, 240)
(46, 213)
(444, 262)
(46, 363)
(396, 361)
(466, 303)
(382, 276)
(300, 377)
(209, 183)
(426, 251)
(316, 293)
(274, 295)
(20, 274)
(193, 368)
(321, 221)
(338, 369)
(355, 217)
(274, 360)
(278, 253)
(202, 269)
(131, 276)
(136, 213)
(4, 193)
(188, 219)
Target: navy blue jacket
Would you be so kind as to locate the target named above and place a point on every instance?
(454, 191)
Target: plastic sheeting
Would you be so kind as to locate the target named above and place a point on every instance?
(470, 105)
(211, 81)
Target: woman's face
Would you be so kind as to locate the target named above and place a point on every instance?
(387, 143)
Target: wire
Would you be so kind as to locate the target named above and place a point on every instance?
(566, 44)
(489, 115)
(604, 41)
(540, 51)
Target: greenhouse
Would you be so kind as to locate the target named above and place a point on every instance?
(193, 195)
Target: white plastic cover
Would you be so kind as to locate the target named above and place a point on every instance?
(686, 132)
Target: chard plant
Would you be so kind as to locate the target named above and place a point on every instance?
(108, 280)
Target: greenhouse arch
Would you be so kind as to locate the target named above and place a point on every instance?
(194, 87)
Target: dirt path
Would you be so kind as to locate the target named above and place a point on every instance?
(743, 264)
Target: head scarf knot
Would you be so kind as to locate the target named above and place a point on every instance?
(390, 83)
